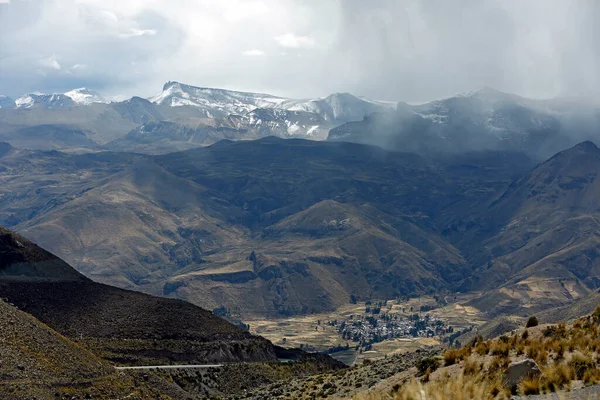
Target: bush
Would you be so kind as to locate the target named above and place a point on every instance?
(592, 376)
(451, 356)
(580, 364)
(500, 348)
(556, 331)
(596, 315)
(471, 366)
(427, 364)
(531, 322)
(556, 377)
(529, 386)
(482, 348)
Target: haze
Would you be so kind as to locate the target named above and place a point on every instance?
(389, 50)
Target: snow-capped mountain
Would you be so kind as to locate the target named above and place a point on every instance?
(217, 101)
(251, 115)
(184, 116)
(40, 100)
(85, 96)
(72, 98)
(338, 107)
(334, 109)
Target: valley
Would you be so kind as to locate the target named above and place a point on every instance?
(299, 200)
(324, 332)
(274, 228)
(307, 249)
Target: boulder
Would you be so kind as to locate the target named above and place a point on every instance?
(520, 370)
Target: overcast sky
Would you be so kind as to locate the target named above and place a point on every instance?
(406, 50)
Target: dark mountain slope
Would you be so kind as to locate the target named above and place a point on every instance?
(317, 259)
(118, 324)
(184, 225)
(36, 362)
(546, 233)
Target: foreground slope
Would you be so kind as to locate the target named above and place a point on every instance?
(120, 325)
(36, 362)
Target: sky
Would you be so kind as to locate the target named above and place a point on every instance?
(400, 50)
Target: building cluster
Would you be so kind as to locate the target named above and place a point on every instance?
(368, 329)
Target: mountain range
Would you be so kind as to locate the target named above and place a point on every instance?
(183, 117)
(278, 227)
(179, 118)
(486, 119)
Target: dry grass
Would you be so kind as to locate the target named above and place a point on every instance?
(448, 388)
(563, 353)
(530, 386)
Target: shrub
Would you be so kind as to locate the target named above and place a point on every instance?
(482, 348)
(451, 356)
(592, 376)
(556, 377)
(530, 386)
(427, 364)
(596, 315)
(555, 331)
(531, 322)
(471, 366)
(580, 364)
(501, 349)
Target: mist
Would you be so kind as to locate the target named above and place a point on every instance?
(403, 50)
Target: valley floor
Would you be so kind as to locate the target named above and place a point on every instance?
(321, 332)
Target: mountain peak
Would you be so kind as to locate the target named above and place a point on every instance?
(170, 84)
(85, 96)
(582, 152)
(586, 146)
(342, 95)
(489, 94)
(487, 90)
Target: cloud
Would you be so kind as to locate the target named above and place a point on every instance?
(253, 53)
(133, 32)
(411, 50)
(49, 62)
(295, 42)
